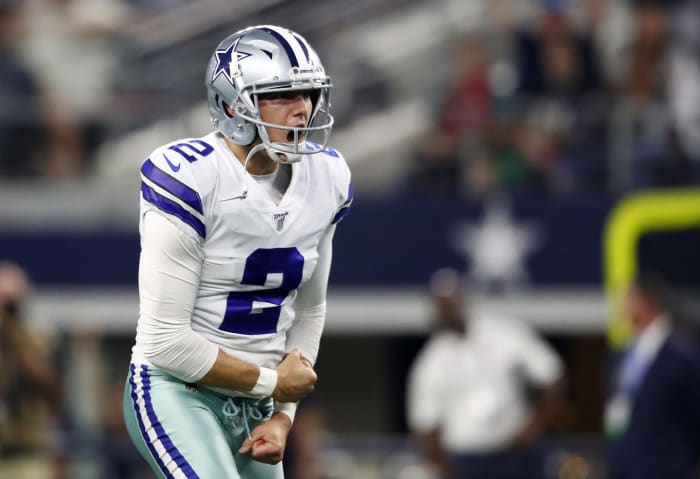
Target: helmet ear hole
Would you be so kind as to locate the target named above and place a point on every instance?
(244, 133)
(228, 111)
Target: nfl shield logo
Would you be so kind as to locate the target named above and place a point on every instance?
(279, 218)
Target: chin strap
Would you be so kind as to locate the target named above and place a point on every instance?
(280, 152)
(281, 157)
(251, 153)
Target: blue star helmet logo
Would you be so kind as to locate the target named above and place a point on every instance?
(223, 60)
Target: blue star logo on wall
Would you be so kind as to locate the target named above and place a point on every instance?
(223, 60)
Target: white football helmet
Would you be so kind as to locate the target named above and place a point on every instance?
(268, 59)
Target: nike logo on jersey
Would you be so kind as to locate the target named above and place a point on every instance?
(172, 166)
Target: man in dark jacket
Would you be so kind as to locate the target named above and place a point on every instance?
(653, 412)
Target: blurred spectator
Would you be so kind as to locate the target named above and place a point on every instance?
(556, 58)
(29, 386)
(21, 108)
(451, 158)
(482, 391)
(466, 102)
(647, 149)
(563, 135)
(684, 78)
(653, 414)
(71, 44)
(437, 169)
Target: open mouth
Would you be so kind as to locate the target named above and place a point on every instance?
(300, 136)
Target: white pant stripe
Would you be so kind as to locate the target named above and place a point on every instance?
(149, 430)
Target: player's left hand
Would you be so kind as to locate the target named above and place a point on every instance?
(268, 440)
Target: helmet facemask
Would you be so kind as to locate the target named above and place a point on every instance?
(300, 140)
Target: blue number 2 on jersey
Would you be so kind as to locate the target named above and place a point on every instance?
(198, 147)
(240, 316)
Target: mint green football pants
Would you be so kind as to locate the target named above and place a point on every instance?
(189, 433)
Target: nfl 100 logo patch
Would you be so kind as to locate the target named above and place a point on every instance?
(279, 218)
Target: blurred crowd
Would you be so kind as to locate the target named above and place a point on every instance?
(601, 98)
(541, 96)
(30, 385)
(57, 62)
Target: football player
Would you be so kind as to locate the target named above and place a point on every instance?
(236, 231)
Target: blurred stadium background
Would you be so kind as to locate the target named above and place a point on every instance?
(505, 138)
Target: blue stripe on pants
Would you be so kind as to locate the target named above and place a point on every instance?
(170, 448)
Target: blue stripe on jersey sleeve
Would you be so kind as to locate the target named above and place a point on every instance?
(172, 186)
(345, 207)
(351, 193)
(342, 212)
(170, 207)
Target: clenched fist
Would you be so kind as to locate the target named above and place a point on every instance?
(295, 378)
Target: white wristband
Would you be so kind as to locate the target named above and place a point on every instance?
(288, 408)
(267, 382)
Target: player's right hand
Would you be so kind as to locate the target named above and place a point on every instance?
(295, 378)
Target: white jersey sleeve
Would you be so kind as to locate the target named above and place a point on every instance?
(310, 306)
(169, 269)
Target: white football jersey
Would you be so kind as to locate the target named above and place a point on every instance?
(256, 253)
